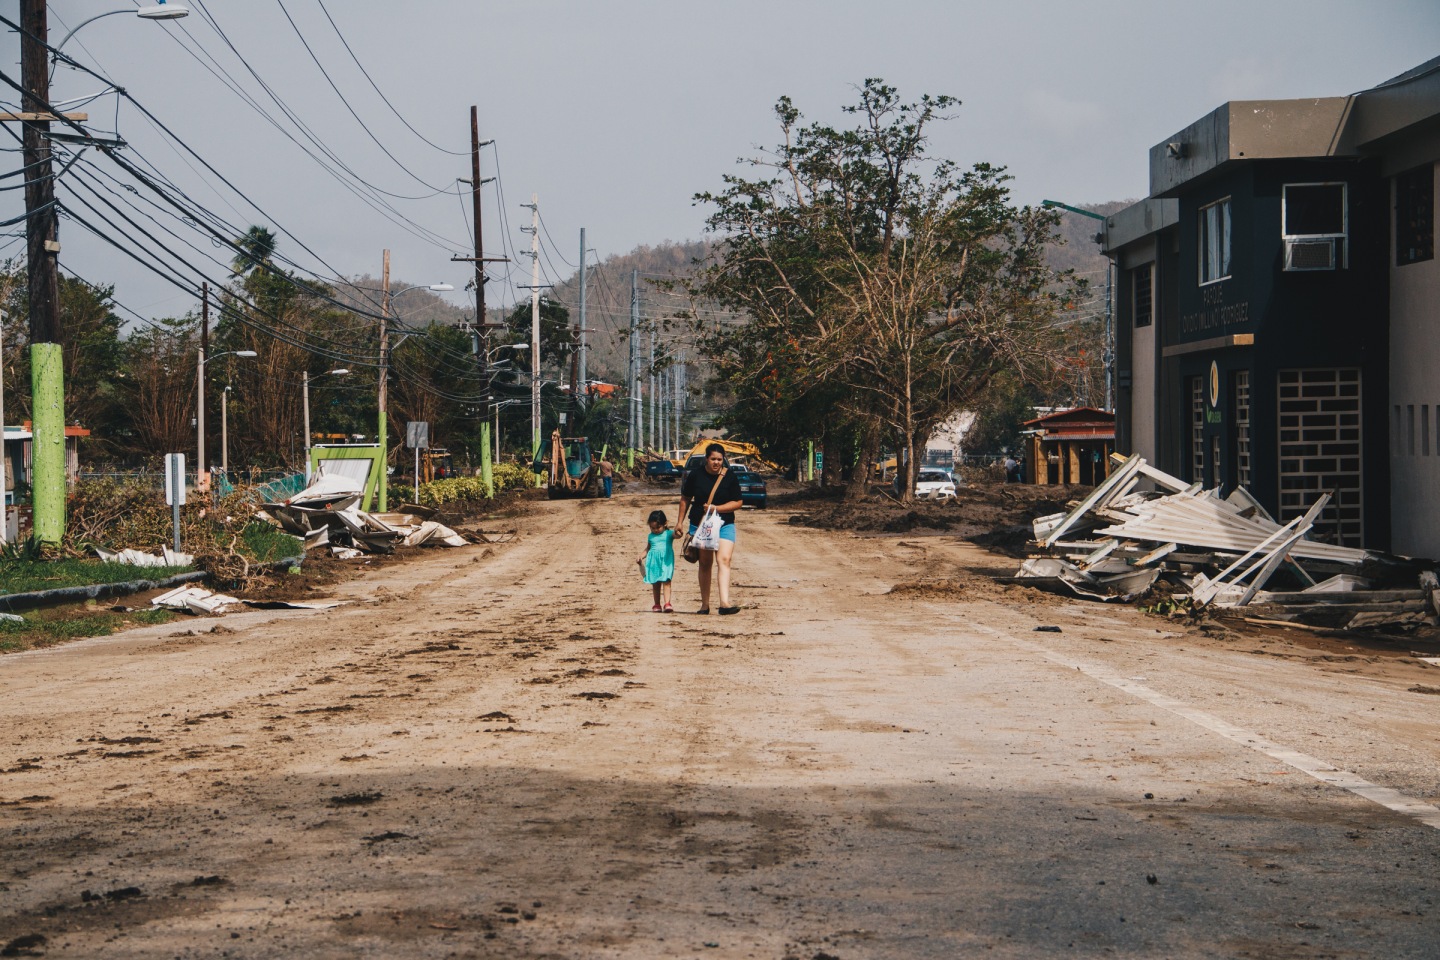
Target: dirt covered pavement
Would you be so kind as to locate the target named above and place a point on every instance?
(498, 751)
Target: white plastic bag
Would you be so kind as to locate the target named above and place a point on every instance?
(707, 534)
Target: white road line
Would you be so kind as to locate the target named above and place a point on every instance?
(1324, 772)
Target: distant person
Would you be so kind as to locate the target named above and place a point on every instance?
(715, 486)
(658, 562)
(607, 477)
(1012, 469)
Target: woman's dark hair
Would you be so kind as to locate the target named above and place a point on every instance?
(714, 448)
(659, 516)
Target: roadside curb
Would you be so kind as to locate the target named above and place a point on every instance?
(9, 603)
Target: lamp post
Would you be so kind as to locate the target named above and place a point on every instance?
(305, 388)
(1109, 357)
(383, 427)
(225, 432)
(202, 476)
(496, 405)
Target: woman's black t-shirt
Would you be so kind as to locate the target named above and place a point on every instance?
(697, 487)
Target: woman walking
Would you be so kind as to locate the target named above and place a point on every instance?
(713, 488)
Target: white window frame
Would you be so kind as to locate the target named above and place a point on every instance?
(1342, 262)
(1224, 226)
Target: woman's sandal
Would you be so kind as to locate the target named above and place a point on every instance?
(669, 609)
(703, 610)
(726, 611)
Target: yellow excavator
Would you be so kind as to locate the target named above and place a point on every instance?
(738, 449)
(572, 468)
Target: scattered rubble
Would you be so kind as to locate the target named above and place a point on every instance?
(1219, 554)
(198, 600)
(327, 513)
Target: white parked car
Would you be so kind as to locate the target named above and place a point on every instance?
(931, 484)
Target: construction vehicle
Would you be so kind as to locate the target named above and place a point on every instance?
(435, 464)
(573, 469)
(738, 449)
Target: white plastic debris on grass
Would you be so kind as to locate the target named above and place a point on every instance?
(138, 558)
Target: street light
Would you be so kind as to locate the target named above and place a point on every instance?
(160, 11)
(1109, 357)
(305, 387)
(382, 433)
(517, 347)
(202, 475)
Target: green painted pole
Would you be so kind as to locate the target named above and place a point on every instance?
(487, 473)
(47, 383)
(810, 461)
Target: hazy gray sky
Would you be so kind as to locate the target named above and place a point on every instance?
(616, 112)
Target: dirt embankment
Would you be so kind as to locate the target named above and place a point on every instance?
(995, 515)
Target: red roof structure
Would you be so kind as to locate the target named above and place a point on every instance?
(1080, 423)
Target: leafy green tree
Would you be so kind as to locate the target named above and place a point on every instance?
(883, 289)
(89, 338)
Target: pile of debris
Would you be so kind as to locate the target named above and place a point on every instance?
(1219, 553)
(327, 513)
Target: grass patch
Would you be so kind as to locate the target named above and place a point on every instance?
(26, 576)
(76, 623)
(267, 544)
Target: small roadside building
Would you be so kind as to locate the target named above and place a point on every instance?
(18, 444)
(1069, 446)
(1276, 300)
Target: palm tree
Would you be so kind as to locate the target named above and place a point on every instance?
(256, 248)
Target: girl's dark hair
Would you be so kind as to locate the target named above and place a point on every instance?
(714, 448)
(660, 517)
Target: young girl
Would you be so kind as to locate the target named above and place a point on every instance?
(658, 563)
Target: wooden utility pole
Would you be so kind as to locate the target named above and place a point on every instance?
(475, 202)
(582, 383)
(41, 225)
(47, 378)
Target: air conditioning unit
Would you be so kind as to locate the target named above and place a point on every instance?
(1312, 253)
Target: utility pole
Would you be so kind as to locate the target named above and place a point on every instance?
(42, 251)
(534, 328)
(580, 384)
(475, 202)
(202, 478)
(679, 377)
(383, 427)
(637, 424)
(654, 420)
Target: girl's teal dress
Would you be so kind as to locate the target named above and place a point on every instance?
(660, 557)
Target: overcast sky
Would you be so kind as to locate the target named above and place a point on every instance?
(615, 112)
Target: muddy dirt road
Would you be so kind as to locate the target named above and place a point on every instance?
(500, 752)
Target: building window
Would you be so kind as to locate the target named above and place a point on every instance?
(1241, 392)
(1316, 225)
(1415, 216)
(1197, 429)
(1143, 294)
(1320, 449)
(1215, 241)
